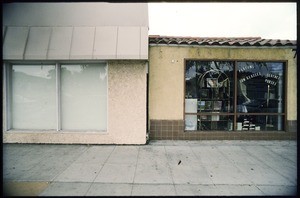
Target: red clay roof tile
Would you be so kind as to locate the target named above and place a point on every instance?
(220, 41)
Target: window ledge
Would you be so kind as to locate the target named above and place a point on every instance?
(55, 132)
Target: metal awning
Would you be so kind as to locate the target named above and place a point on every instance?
(75, 43)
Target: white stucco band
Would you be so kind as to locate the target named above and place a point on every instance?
(126, 112)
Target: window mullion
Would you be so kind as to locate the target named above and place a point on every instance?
(6, 92)
(235, 96)
(58, 98)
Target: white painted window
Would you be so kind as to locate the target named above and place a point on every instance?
(33, 96)
(83, 97)
(57, 97)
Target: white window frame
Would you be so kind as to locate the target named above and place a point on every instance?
(7, 97)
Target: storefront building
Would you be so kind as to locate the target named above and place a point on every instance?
(222, 88)
(75, 73)
(98, 78)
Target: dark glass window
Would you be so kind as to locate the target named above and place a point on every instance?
(260, 90)
(209, 93)
(234, 95)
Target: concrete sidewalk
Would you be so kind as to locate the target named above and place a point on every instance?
(164, 168)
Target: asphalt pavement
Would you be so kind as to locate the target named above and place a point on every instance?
(161, 168)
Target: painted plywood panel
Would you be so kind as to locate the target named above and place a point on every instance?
(38, 42)
(144, 43)
(128, 43)
(82, 43)
(60, 43)
(105, 46)
(14, 42)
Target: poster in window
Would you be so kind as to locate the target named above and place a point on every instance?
(191, 105)
(208, 105)
(215, 118)
(190, 122)
(201, 105)
(217, 105)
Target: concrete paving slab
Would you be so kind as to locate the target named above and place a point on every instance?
(263, 175)
(206, 168)
(197, 190)
(153, 173)
(16, 169)
(101, 189)
(153, 190)
(262, 153)
(226, 174)
(21, 162)
(210, 155)
(185, 167)
(95, 154)
(79, 172)
(206, 143)
(41, 165)
(42, 174)
(149, 153)
(152, 166)
(24, 188)
(124, 155)
(116, 173)
(66, 189)
(52, 165)
(237, 155)
(282, 166)
(165, 142)
(181, 154)
(185, 174)
(275, 190)
(239, 190)
(286, 151)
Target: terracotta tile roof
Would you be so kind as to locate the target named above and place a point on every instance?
(220, 41)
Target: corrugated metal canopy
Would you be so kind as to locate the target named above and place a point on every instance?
(75, 43)
(75, 31)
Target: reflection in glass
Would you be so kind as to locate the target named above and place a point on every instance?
(260, 87)
(33, 96)
(210, 88)
(84, 97)
(209, 81)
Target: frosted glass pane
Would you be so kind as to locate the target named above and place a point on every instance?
(33, 97)
(84, 97)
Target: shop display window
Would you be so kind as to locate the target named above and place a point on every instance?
(234, 95)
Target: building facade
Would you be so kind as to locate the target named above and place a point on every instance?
(75, 73)
(222, 88)
(98, 78)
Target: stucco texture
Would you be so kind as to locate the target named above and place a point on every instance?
(126, 112)
(166, 75)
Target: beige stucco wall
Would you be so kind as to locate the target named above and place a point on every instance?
(126, 112)
(166, 75)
